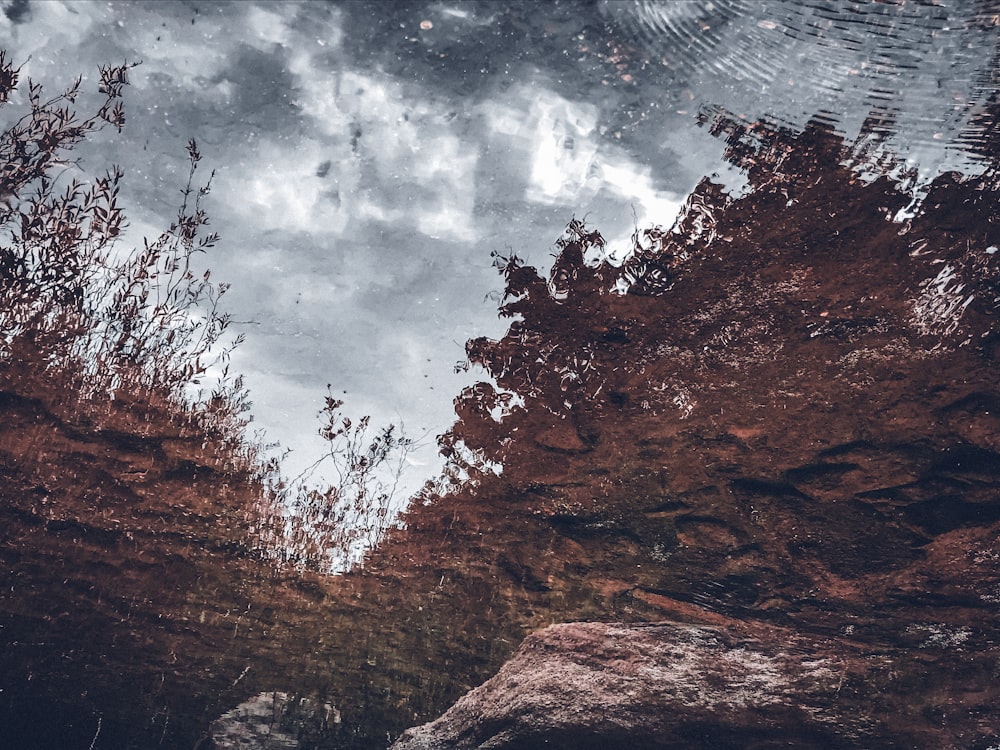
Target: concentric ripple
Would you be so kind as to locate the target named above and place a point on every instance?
(926, 70)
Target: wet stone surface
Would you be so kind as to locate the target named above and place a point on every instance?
(271, 721)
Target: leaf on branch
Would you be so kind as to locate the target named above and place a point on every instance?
(193, 153)
(8, 77)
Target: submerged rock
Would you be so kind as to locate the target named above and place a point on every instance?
(673, 685)
(254, 723)
(271, 721)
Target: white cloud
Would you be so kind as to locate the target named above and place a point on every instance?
(569, 164)
(278, 188)
(632, 182)
(185, 58)
(564, 150)
(266, 28)
(375, 131)
(54, 27)
(558, 138)
(449, 221)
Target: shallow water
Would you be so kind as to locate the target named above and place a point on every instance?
(371, 156)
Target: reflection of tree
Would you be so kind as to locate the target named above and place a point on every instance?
(331, 528)
(86, 325)
(553, 356)
(561, 355)
(693, 309)
(96, 321)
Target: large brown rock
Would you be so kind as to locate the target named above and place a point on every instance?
(672, 685)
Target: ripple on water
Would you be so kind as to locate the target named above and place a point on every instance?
(930, 69)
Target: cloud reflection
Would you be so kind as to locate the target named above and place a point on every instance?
(358, 203)
(571, 165)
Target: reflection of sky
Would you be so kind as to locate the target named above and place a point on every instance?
(371, 155)
(358, 208)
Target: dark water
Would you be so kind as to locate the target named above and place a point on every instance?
(925, 68)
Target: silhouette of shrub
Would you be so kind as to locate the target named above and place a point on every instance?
(78, 313)
(330, 525)
(87, 324)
